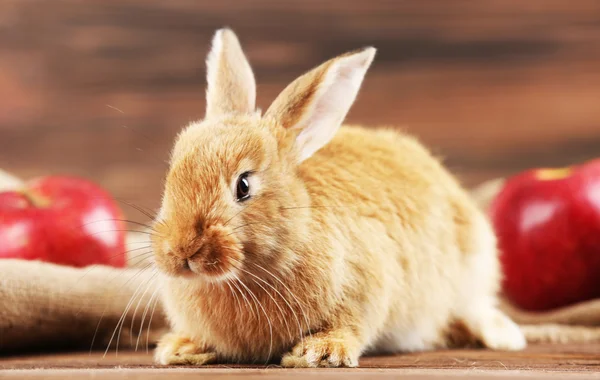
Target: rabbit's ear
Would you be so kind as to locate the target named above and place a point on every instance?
(231, 87)
(316, 103)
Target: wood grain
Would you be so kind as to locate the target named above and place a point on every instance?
(543, 361)
(100, 88)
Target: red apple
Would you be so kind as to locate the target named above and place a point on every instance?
(548, 227)
(63, 220)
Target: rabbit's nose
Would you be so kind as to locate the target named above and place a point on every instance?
(199, 254)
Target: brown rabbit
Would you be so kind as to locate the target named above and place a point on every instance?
(285, 237)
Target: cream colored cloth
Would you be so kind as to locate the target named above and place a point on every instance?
(46, 307)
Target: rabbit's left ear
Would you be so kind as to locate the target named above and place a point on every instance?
(316, 103)
(231, 87)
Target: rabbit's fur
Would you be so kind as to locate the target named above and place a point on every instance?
(351, 240)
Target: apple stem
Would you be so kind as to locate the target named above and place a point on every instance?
(35, 199)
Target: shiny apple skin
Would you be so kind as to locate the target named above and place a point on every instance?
(549, 237)
(62, 220)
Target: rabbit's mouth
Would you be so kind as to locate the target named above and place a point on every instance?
(214, 256)
(213, 270)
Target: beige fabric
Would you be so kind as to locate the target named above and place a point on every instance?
(45, 306)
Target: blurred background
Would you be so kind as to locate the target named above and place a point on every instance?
(99, 88)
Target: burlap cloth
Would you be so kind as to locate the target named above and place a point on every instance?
(48, 307)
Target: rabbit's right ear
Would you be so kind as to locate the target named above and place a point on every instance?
(316, 104)
(230, 82)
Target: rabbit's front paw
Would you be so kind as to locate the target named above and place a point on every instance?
(174, 349)
(335, 349)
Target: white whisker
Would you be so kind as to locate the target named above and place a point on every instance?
(154, 294)
(124, 314)
(281, 312)
(266, 316)
(106, 305)
(274, 301)
(304, 314)
(245, 299)
(156, 301)
(235, 295)
(114, 108)
(136, 308)
(127, 311)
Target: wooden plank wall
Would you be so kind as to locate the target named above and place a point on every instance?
(99, 88)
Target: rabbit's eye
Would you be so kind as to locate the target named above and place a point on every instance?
(243, 187)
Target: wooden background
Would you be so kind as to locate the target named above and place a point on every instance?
(99, 88)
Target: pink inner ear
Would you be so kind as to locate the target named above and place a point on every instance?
(332, 101)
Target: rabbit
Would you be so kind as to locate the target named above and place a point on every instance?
(284, 237)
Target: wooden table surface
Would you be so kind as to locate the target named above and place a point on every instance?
(537, 362)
